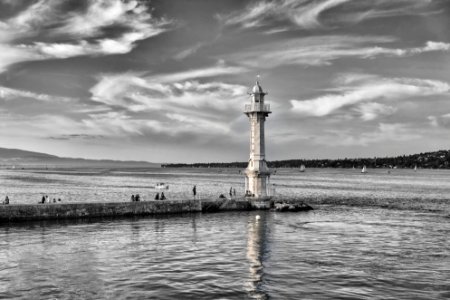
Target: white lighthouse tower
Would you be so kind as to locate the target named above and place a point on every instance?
(257, 174)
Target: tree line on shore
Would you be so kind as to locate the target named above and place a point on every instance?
(428, 160)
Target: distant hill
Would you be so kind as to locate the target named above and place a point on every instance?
(15, 158)
(429, 160)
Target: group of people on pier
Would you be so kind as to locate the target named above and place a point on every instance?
(135, 198)
(158, 197)
(46, 199)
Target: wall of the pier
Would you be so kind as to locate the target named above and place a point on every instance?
(53, 211)
(225, 205)
(22, 212)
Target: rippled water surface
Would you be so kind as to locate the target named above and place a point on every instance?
(333, 252)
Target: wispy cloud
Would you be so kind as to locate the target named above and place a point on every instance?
(216, 70)
(360, 90)
(303, 13)
(176, 102)
(76, 137)
(372, 110)
(137, 93)
(30, 21)
(384, 132)
(323, 50)
(132, 105)
(9, 94)
(38, 126)
(100, 14)
(52, 33)
(440, 121)
(307, 14)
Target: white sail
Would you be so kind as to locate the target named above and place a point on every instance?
(302, 168)
(364, 169)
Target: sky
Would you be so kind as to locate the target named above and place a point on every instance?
(167, 80)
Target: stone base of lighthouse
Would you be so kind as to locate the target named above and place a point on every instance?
(257, 188)
(260, 203)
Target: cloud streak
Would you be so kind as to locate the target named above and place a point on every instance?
(10, 94)
(323, 50)
(76, 33)
(384, 132)
(177, 102)
(307, 14)
(359, 89)
(440, 121)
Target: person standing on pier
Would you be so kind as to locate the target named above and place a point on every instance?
(194, 191)
(6, 200)
(231, 192)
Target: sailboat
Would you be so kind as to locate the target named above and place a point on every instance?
(415, 168)
(364, 169)
(302, 168)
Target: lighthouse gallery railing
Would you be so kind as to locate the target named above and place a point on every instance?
(257, 107)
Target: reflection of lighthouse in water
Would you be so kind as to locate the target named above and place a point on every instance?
(257, 249)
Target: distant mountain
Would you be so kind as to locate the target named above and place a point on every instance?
(15, 158)
(428, 160)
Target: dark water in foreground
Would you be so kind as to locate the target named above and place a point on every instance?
(331, 253)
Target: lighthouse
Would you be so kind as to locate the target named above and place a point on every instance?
(257, 174)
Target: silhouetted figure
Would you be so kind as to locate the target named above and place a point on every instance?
(43, 200)
(132, 198)
(137, 198)
(231, 192)
(47, 199)
(6, 200)
(194, 190)
(54, 200)
(59, 199)
(162, 196)
(157, 196)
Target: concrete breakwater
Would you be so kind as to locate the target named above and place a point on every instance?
(33, 212)
(30, 212)
(54, 211)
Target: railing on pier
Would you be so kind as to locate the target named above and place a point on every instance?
(257, 107)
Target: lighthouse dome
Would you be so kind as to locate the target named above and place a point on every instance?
(257, 88)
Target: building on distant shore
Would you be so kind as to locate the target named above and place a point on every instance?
(257, 174)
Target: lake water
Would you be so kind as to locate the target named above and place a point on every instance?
(333, 252)
(27, 186)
